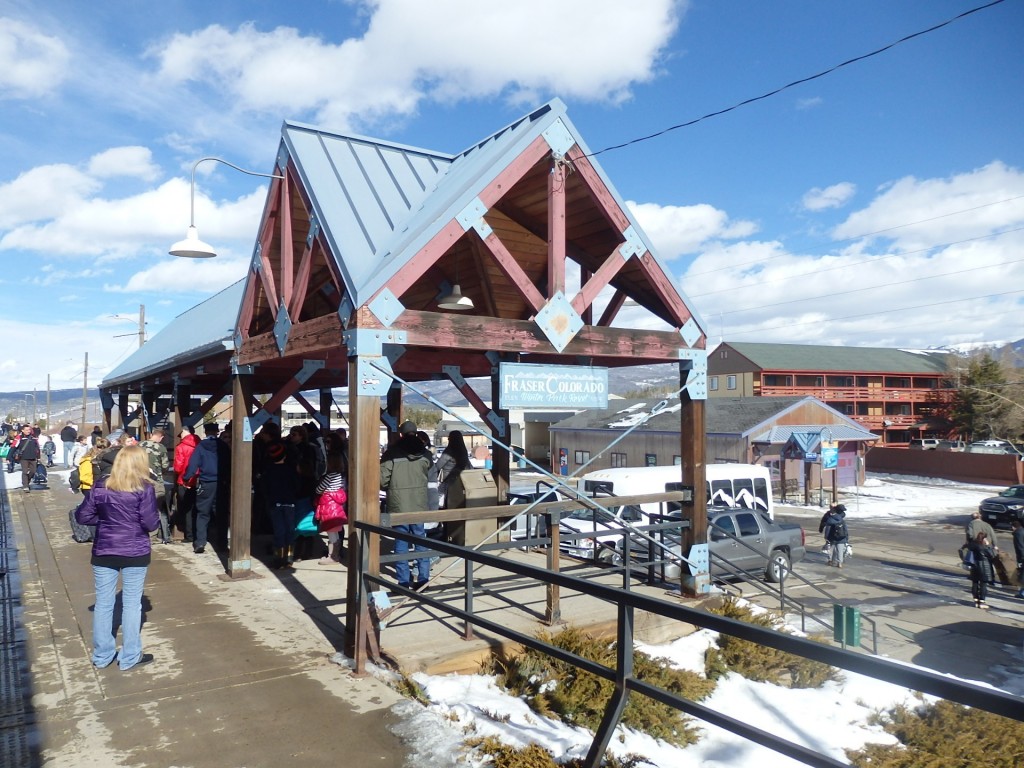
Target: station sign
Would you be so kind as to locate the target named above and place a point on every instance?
(829, 455)
(526, 385)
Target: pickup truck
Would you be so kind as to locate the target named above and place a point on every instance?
(739, 539)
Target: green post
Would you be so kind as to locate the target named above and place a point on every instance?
(846, 625)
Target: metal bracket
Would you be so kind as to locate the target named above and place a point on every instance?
(500, 425)
(559, 321)
(634, 245)
(367, 341)
(345, 307)
(558, 137)
(454, 373)
(309, 367)
(697, 380)
(371, 381)
(314, 229)
(690, 332)
(241, 370)
(282, 327)
(472, 217)
(699, 560)
(282, 158)
(257, 262)
(386, 307)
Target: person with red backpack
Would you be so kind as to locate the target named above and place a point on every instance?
(28, 453)
(185, 490)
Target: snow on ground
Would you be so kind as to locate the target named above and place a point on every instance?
(830, 719)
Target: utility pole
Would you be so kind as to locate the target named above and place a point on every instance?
(85, 389)
(48, 426)
(35, 402)
(142, 325)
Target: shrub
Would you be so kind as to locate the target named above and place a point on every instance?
(558, 689)
(535, 756)
(944, 735)
(759, 662)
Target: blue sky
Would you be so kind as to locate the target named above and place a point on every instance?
(881, 205)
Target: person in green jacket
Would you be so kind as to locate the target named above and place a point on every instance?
(404, 468)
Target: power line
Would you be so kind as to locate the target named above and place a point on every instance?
(801, 81)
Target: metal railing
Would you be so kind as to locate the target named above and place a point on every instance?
(625, 682)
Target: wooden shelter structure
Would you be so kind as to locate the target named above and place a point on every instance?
(357, 242)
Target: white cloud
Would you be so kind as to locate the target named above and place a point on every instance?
(678, 230)
(135, 162)
(920, 213)
(32, 64)
(43, 193)
(185, 275)
(836, 196)
(445, 50)
(811, 103)
(144, 223)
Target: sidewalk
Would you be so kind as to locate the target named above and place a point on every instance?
(242, 675)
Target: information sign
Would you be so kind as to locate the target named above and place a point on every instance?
(524, 385)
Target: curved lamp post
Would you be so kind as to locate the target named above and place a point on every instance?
(192, 247)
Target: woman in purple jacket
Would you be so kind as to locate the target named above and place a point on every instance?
(123, 509)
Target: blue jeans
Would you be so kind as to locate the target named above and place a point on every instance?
(68, 448)
(401, 547)
(104, 645)
(283, 519)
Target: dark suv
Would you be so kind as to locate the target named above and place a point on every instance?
(1001, 509)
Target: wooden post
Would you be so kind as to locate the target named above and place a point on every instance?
(500, 464)
(692, 433)
(363, 504)
(239, 554)
(326, 400)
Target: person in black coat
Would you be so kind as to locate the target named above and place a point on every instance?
(983, 571)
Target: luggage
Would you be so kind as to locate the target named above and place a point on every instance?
(83, 534)
(40, 476)
(1006, 569)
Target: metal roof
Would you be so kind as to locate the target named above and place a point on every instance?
(807, 357)
(380, 203)
(838, 432)
(723, 416)
(199, 332)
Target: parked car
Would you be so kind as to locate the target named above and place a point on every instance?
(738, 539)
(924, 444)
(951, 445)
(1001, 509)
(992, 446)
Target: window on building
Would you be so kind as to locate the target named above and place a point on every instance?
(713, 383)
(650, 459)
(582, 457)
(730, 382)
(677, 460)
(618, 459)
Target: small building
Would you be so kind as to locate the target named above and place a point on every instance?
(746, 430)
(897, 394)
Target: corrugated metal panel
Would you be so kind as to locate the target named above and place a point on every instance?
(193, 334)
(840, 432)
(363, 192)
(807, 357)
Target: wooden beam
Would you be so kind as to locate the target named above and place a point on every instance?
(614, 305)
(596, 186)
(666, 289)
(425, 258)
(239, 552)
(287, 246)
(590, 289)
(514, 171)
(556, 228)
(266, 238)
(302, 281)
(473, 332)
(508, 264)
(310, 337)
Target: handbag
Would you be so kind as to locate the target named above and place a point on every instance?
(330, 511)
(4, 450)
(305, 514)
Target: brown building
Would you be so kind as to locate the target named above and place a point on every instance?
(898, 395)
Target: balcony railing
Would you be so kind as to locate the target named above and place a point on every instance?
(861, 394)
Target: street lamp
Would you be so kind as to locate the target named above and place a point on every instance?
(192, 247)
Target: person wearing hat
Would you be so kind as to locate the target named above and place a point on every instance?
(404, 469)
(210, 466)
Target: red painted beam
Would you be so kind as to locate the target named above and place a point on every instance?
(508, 264)
(556, 228)
(591, 288)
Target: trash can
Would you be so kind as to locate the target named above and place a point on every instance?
(846, 624)
(472, 488)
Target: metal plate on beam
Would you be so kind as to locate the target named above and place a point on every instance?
(634, 245)
(690, 332)
(386, 307)
(472, 217)
(282, 327)
(559, 321)
(558, 137)
(697, 380)
(370, 380)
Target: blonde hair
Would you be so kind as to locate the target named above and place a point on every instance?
(131, 470)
